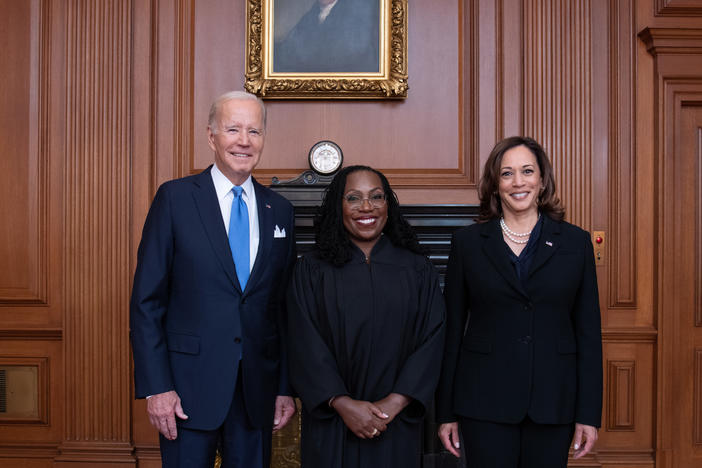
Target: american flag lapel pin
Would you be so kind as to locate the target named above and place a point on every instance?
(267, 205)
(549, 243)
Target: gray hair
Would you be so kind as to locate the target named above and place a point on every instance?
(232, 95)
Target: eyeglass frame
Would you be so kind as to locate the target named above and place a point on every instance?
(377, 203)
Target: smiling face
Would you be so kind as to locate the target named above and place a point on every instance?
(237, 138)
(520, 182)
(365, 222)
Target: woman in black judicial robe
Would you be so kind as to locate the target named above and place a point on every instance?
(366, 330)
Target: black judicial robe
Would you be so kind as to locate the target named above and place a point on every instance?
(364, 330)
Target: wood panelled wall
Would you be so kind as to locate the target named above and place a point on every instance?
(104, 100)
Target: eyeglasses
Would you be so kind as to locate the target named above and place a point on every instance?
(376, 200)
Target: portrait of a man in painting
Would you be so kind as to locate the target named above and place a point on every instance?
(326, 36)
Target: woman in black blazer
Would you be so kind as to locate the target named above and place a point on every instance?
(522, 367)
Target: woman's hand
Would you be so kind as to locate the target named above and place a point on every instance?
(448, 433)
(590, 433)
(392, 404)
(363, 418)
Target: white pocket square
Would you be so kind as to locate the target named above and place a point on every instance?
(278, 233)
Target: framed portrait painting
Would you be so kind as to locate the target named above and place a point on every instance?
(327, 48)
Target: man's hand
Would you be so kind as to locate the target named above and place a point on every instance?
(162, 409)
(448, 433)
(392, 405)
(363, 418)
(284, 410)
(590, 433)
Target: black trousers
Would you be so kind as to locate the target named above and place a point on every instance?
(524, 445)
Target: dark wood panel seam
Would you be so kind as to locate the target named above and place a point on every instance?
(46, 334)
(630, 335)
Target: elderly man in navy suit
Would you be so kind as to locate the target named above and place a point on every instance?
(206, 313)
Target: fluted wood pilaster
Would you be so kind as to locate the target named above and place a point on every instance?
(557, 91)
(96, 196)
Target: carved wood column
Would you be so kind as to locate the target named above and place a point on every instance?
(96, 239)
(557, 90)
(677, 55)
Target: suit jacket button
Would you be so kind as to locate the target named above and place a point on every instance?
(237, 340)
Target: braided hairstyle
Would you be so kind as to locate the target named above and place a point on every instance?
(331, 238)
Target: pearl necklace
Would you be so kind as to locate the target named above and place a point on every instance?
(514, 236)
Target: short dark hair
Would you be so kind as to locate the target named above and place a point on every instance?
(331, 238)
(490, 203)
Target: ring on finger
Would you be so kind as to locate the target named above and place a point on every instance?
(375, 431)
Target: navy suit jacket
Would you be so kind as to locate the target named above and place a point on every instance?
(191, 322)
(512, 351)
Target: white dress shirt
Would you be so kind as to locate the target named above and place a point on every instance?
(324, 11)
(225, 196)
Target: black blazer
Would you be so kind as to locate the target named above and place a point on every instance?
(535, 352)
(190, 321)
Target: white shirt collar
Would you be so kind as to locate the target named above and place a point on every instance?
(223, 186)
(325, 10)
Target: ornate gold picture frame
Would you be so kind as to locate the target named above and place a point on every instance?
(285, 60)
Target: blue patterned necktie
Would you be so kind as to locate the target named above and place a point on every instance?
(239, 236)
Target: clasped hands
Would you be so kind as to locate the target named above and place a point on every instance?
(164, 407)
(369, 419)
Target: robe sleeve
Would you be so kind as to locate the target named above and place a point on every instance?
(419, 374)
(313, 371)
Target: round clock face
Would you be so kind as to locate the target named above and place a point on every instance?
(326, 157)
